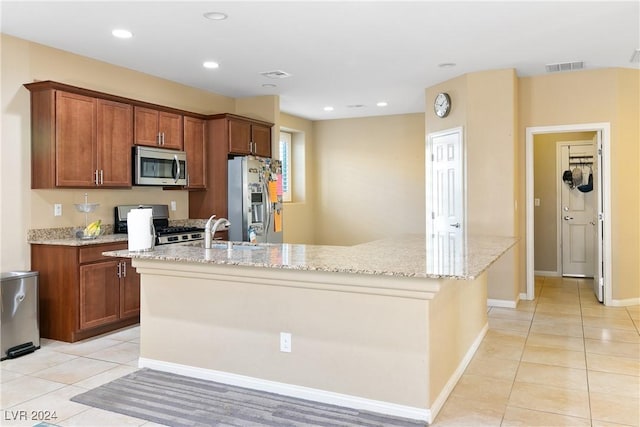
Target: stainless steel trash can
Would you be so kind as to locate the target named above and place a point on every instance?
(19, 323)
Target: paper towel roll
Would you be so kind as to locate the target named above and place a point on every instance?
(140, 229)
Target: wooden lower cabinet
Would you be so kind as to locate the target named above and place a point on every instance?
(82, 293)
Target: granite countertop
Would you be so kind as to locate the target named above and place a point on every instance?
(403, 256)
(65, 236)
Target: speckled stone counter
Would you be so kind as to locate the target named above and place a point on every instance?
(386, 326)
(66, 236)
(402, 256)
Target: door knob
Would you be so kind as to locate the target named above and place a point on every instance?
(456, 225)
(567, 217)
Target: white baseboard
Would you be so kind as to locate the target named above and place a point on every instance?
(624, 302)
(290, 390)
(502, 303)
(453, 380)
(523, 297)
(547, 273)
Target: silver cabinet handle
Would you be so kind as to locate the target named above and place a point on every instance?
(119, 269)
(567, 217)
(456, 225)
(124, 269)
(95, 177)
(101, 176)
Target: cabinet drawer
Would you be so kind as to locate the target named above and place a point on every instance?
(94, 252)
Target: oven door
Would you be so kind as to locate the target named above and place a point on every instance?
(156, 166)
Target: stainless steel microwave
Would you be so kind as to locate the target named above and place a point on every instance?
(159, 166)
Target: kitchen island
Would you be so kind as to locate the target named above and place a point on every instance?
(387, 326)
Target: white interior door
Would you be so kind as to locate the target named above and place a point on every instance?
(445, 199)
(578, 210)
(598, 279)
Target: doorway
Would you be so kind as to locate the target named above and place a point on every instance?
(577, 207)
(446, 199)
(602, 241)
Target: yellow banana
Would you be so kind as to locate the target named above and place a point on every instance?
(93, 229)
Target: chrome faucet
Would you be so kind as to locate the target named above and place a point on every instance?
(210, 230)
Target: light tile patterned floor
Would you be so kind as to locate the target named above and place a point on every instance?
(563, 359)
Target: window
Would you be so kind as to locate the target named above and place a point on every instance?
(285, 156)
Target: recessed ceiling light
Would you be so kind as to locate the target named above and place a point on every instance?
(328, 108)
(210, 64)
(382, 104)
(355, 106)
(447, 65)
(269, 85)
(215, 16)
(121, 33)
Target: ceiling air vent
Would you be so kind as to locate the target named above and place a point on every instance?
(564, 66)
(635, 57)
(277, 74)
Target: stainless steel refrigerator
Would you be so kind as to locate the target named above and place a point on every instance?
(254, 199)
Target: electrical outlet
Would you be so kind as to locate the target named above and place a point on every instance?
(173, 205)
(285, 342)
(536, 202)
(57, 209)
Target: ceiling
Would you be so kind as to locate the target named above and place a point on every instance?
(346, 54)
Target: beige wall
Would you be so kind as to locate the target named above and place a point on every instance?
(484, 104)
(596, 96)
(546, 189)
(22, 208)
(299, 221)
(369, 178)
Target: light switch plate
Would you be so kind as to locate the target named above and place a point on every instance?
(57, 209)
(174, 206)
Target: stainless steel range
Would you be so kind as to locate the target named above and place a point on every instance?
(165, 234)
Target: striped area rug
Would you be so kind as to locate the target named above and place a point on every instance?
(176, 401)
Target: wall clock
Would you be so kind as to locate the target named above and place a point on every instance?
(442, 105)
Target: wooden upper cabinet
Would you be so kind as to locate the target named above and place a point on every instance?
(261, 137)
(79, 141)
(75, 140)
(114, 142)
(249, 137)
(239, 137)
(195, 147)
(158, 128)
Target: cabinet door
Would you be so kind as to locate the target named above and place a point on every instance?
(195, 146)
(239, 137)
(261, 137)
(170, 126)
(99, 294)
(129, 290)
(114, 142)
(145, 127)
(75, 140)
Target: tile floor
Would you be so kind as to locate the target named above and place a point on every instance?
(563, 359)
